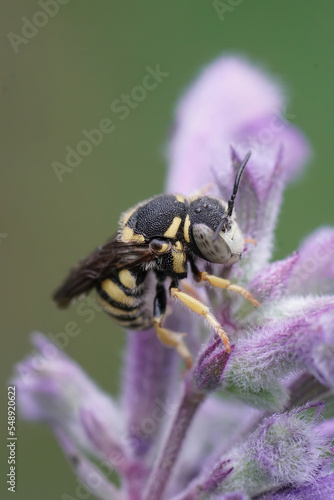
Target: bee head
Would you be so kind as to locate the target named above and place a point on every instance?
(215, 231)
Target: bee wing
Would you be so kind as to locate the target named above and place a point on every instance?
(99, 265)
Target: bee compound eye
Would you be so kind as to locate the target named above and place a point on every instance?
(159, 246)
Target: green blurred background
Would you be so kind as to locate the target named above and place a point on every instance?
(62, 81)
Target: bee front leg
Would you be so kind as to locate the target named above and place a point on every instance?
(167, 337)
(223, 283)
(250, 240)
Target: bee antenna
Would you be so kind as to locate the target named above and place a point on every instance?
(236, 184)
(219, 228)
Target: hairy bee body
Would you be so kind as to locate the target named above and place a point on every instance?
(164, 222)
(158, 240)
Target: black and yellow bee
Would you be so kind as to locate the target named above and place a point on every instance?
(157, 239)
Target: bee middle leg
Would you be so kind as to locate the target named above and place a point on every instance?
(199, 308)
(167, 337)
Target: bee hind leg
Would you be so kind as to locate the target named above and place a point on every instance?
(167, 337)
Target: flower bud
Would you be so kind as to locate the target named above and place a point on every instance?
(210, 366)
(285, 450)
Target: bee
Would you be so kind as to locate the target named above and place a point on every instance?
(158, 240)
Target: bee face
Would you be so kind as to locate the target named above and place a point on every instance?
(225, 249)
(206, 215)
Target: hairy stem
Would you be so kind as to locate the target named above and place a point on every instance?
(160, 475)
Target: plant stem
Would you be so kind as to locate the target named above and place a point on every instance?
(160, 475)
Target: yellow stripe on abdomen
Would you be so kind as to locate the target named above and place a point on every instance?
(117, 294)
(116, 311)
(127, 279)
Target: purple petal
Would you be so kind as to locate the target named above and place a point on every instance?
(237, 495)
(285, 450)
(90, 476)
(216, 425)
(231, 103)
(220, 472)
(310, 270)
(322, 489)
(148, 389)
(314, 271)
(257, 207)
(303, 341)
(326, 428)
(271, 283)
(210, 366)
(97, 430)
(54, 389)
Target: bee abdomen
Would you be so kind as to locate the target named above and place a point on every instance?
(122, 298)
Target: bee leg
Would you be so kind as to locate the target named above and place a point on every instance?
(250, 240)
(223, 283)
(190, 289)
(199, 308)
(167, 337)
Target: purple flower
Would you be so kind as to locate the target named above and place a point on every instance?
(256, 422)
(319, 490)
(301, 340)
(285, 449)
(53, 389)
